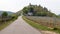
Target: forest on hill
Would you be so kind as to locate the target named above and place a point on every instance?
(37, 10)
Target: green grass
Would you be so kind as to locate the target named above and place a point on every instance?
(38, 26)
(2, 26)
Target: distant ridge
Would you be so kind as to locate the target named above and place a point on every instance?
(9, 12)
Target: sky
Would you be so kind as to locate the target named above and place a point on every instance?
(16, 5)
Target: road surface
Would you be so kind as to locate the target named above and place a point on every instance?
(19, 27)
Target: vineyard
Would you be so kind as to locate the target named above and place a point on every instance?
(46, 21)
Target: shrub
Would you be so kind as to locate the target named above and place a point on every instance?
(55, 28)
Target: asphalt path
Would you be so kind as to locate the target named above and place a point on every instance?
(19, 26)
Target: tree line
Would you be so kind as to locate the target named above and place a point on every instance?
(37, 10)
(5, 17)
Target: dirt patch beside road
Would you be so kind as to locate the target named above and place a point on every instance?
(48, 32)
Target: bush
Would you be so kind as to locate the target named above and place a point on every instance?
(14, 16)
(55, 28)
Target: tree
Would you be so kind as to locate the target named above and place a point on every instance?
(31, 10)
(4, 15)
(25, 10)
(37, 10)
(45, 9)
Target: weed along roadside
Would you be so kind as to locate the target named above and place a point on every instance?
(39, 26)
(8, 22)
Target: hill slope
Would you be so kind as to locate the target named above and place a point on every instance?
(9, 13)
(36, 10)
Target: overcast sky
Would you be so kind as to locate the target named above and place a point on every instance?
(16, 5)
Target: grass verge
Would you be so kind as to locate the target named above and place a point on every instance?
(38, 26)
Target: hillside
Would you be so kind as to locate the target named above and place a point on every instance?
(9, 13)
(37, 10)
(18, 13)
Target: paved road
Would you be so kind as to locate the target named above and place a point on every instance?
(19, 27)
